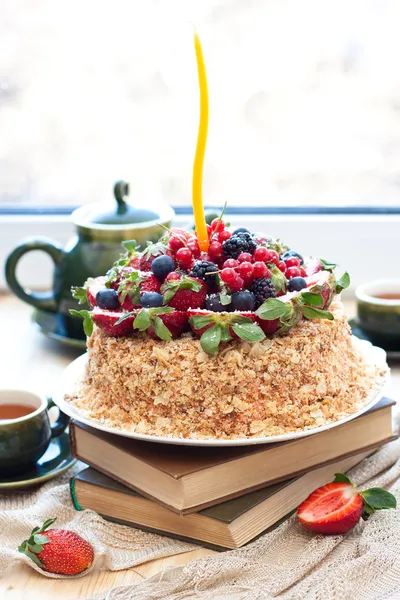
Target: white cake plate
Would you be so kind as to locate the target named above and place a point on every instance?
(73, 374)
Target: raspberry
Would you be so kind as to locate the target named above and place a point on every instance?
(238, 243)
(262, 289)
(200, 270)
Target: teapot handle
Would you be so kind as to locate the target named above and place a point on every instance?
(41, 300)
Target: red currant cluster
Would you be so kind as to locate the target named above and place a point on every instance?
(185, 245)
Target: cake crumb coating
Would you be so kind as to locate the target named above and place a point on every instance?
(310, 377)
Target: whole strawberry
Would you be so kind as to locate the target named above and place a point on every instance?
(58, 551)
(184, 293)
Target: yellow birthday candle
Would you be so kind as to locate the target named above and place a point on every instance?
(197, 184)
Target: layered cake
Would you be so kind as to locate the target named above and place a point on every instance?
(247, 340)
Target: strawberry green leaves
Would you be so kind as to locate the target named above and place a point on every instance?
(131, 246)
(373, 499)
(343, 282)
(248, 331)
(149, 317)
(170, 288)
(86, 315)
(34, 544)
(278, 279)
(224, 328)
(80, 293)
(274, 309)
(312, 299)
(211, 338)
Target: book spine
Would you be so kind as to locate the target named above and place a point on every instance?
(75, 502)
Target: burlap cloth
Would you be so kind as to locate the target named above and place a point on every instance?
(287, 563)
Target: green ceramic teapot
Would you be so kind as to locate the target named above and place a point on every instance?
(100, 231)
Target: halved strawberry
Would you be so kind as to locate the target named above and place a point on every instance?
(216, 327)
(176, 323)
(312, 266)
(107, 321)
(94, 286)
(324, 284)
(184, 293)
(132, 285)
(333, 509)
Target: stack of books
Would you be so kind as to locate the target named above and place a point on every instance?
(217, 497)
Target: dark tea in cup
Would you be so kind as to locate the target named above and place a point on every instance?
(14, 411)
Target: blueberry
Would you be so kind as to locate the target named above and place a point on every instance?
(291, 253)
(107, 299)
(241, 230)
(296, 284)
(162, 265)
(213, 302)
(243, 300)
(151, 300)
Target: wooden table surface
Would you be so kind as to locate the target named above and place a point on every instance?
(33, 359)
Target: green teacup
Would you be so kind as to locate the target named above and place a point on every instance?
(378, 310)
(24, 439)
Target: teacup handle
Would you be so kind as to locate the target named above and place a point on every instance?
(61, 424)
(42, 300)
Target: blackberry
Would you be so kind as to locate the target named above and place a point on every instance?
(238, 243)
(262, 289)
(200, 270)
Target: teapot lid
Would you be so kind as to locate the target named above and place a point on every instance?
(123, 212)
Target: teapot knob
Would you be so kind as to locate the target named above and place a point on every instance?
(121, 190)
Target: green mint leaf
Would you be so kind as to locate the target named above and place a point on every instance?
(210, 339)
(316, 313)
(40, 539)
(80, 294)
(86, 315)
(130, 245)
(161, 330)
(341, 478)
(378, 499)
(125, 316)
(199, 321)
(225, 298)
(273, 309)
(249, 332)
(343, 282)
(142, 320)
(312, 299)
(327, 266)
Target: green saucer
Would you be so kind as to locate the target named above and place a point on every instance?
(54, 461)
(360, 333)
(47, 324)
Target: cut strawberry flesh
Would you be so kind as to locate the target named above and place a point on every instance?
(332, 509)
(99, 283)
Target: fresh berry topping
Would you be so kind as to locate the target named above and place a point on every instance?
(201, 269)
(282, 266)
(292, 261)
(245, 270)
(193, 246)
(151, 300)
(244, 300)
(185, 293)
(162, 323)
(230, 263)
(162, 265)
(215, 250)
(176, 243)
(173, 276)
(88, 292)
(260, 269)
(237, 284)
(291, 253)
(273, 257)
(108, 299)
(217, 225)
(213, 303)
(184, 256)
(303, 272)
(209, 230)
(109, 322)
(238, 243)
(261, 253)
(262, 289)
(58, 551)
(245, 257)
(292, 272)
(224, 235)
(240, 230)
(228, 275)
(150, 254)
(332, 509)
(296, 284)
